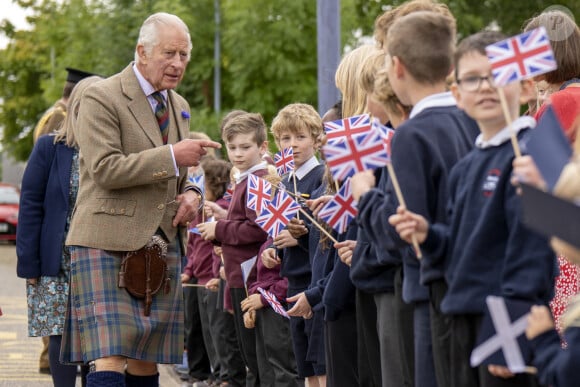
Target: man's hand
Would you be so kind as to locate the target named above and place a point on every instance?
(188, 205)
(361, 183)
(207, 230)
(188, 152)
(345, 250)
(284, 239)
(270, 258)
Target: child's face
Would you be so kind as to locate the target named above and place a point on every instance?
(244, 152)
(377, 109)
(479, 98)
(302, 144)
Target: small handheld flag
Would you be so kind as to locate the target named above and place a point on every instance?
(277, 213)
(229, 193)
(259, 193)
(340, 210)
(353, 154)
(274, 303)
(347, 127)
(284, 161)
(386, 132)
(521, 57)
(498, 341)
(247, 268)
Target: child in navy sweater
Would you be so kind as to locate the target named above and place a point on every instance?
(298, 126)
(484, 247)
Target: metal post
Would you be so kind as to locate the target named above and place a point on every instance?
(217, 62)
(328, 40)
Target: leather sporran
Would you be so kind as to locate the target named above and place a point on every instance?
(144, 272)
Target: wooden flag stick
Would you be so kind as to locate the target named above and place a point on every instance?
(402, 201)
(508, 118)
(192, 286)
(318, 225)
(295, 191)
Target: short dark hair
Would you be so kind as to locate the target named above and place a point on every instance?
(247, 123)
(217, 175)
(424, 42)
(475, 43)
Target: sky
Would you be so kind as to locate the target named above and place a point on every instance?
(16, 15)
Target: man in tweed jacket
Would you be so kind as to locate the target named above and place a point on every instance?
(132, 186)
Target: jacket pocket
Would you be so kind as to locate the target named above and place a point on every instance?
(114, 206)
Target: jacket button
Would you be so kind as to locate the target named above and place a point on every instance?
(122, 211)
(112, 211)
(161, 206)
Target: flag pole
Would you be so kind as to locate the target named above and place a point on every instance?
(295, 191)
(402, 202)
(318, 225)
(508, 119)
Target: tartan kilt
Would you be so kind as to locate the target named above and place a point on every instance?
(104, 320)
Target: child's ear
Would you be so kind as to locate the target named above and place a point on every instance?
(263, 148)
(528, 91)
(398, 67)
(456, 94)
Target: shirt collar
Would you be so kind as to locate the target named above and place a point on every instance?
(147, 88)
(241, 176)
(306, 168)
(505, 134)
(434, 100)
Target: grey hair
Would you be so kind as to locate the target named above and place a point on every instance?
(149, 32)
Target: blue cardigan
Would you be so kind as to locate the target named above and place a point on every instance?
(44, 206)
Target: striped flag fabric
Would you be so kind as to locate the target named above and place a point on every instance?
(340, 210)
(353, 154)
(347, 127)
(273, 301)
(521, 57)
(229, 193)
(284, 161)
(386, 132)
(277, 213)
(259, 193)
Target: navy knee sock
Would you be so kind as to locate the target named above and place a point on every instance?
(106, 379)
(141, 381)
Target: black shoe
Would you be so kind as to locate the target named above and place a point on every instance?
(44, 370)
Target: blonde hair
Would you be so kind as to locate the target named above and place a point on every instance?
(384, 94)
(347, 80)
(369, 69)
(66, 132)
(384, 22)
(296, 117)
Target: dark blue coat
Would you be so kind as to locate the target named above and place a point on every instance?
(44, 206)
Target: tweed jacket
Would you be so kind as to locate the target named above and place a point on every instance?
(128, 182)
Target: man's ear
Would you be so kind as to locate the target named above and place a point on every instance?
(528, 91)
(141, 53)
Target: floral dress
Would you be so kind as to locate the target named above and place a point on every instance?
(48, 298)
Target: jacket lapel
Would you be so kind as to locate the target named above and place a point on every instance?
(64, 165)
(139, 105)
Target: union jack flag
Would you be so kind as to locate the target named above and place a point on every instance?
(353, 154)
(198, 181)
(277, 213)
(340, 210)
(273, 301)
(386, 132)
(229, 193)
(259, 193)
(284, 161)
(520, 57)
(347, 127)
